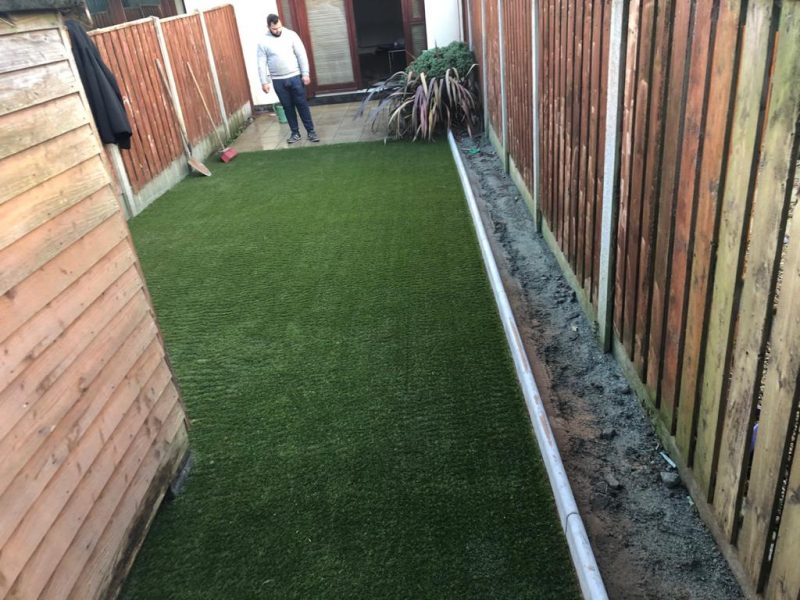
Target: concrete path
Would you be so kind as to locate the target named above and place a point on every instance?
(335, 124)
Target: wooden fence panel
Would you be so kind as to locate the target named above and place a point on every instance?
(227, 49)
(130, 52)
(706, 257)
(775, 180)
(710, 184)
(184, 38)
(574, 63)
(78, 340)
(491, 38)
(519, 73)
(651, 175)
(756, 49)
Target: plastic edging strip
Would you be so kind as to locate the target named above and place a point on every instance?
(583, 558)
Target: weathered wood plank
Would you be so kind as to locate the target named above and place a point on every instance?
(575, 134)
(31, 126)
(652, 182)
(21, 22)
(27, 298)
(16, 401)
(21, 89)
(771, 206)
(626, 163)
(30, 210)
(691, 155)
(569, 93)
(784, 579)
(592, 162)
(26, 344)
(30, 49)
(676, 87)
(116, 467)
(140, 500)
(26, 255)
(585, 213)
(744, 136)
(119, 428)
(27, 169)
(639, 168)
(709, 188)
(45, 409)
(39, 494)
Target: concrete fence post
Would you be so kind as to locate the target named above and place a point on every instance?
(503, 96)
(214, 75)
(124, 181)
(536, 58)
(484, 69)
(608, 241)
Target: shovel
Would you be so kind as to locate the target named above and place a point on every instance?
(194, 164)
(225, 154)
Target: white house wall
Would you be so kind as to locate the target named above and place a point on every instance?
(443, 22)
(251, 16)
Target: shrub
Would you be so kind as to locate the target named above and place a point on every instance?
(436, 92)
(436, 61)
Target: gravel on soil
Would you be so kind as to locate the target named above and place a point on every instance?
(647, 536)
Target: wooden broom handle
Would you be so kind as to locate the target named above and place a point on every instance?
(205, 106)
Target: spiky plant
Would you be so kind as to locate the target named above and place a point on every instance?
(413, 105)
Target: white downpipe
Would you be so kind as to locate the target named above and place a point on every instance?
(583, 559)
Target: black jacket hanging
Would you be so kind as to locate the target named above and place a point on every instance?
(102, 90)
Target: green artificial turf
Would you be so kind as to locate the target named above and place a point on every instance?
(357, 426)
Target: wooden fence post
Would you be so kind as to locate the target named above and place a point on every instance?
(214, 76)
(616, 80)
(503, 97)
(537, 213)
(162, 44)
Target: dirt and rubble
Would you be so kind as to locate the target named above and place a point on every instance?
(647, 536)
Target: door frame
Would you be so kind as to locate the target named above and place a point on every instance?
(408, 22)
(300, 20)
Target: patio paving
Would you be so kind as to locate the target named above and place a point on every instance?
(335, 124)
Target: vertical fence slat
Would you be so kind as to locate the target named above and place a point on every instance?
(715, 149)
(669, 170)
(686, 197)
(651, 185)
(626, 163)
(735, 206)
(784, 580)
(584, 213)
(638, 171)
(774, 185)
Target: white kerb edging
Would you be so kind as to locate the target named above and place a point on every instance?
(583, 558)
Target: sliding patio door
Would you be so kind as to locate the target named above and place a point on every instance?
(329, 25)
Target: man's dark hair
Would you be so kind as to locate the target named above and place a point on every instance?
(272, 19)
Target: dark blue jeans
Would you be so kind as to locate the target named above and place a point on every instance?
(292, 94)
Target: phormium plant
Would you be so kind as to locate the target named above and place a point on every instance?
(439, 90)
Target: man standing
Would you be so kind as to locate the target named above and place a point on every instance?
(283, 63)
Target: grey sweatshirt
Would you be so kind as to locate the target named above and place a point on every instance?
(281, 57)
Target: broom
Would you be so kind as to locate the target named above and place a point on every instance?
(194, 164)
(225, 154)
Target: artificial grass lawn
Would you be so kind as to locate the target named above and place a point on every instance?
(357, 426)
